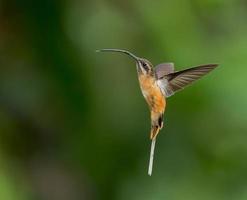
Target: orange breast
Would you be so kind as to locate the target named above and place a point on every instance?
(152, 94)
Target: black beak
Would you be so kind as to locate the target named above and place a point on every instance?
(121, 51)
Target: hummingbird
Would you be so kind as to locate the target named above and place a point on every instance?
(157, 84)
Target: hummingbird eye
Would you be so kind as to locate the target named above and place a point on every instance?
(145, 66)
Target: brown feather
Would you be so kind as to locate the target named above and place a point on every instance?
(176, 81)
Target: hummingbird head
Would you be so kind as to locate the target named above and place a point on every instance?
(143, 65)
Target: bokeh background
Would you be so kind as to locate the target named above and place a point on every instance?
(73, 123)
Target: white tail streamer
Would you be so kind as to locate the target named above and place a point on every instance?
(151, 159)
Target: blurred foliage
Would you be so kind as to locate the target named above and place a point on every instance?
(73, 123)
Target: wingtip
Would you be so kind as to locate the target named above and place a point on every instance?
(215, 64)
(211, 65)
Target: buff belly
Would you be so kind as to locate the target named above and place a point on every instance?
(152, 94)
(156, 102)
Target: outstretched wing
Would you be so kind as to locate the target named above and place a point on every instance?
(176, 81)
(163, 69)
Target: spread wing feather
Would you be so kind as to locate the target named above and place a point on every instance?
(173, 82)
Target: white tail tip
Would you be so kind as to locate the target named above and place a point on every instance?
(151, 159)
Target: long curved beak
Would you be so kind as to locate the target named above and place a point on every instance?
(121, 51)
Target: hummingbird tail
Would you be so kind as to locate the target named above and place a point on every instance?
(156, 124)
(154, 132)
(151, 159)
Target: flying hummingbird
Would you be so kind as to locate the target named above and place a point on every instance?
(158, 83)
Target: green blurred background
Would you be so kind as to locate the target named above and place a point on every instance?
(73, 123)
